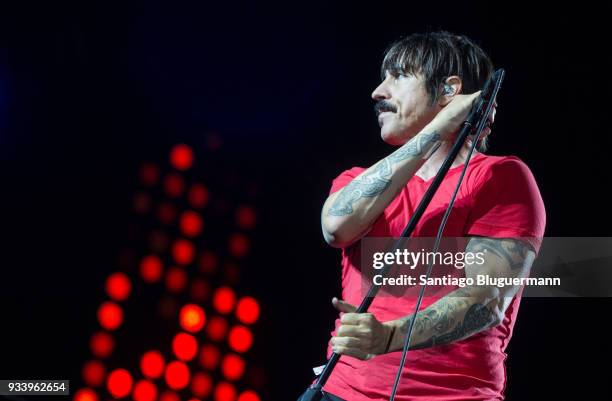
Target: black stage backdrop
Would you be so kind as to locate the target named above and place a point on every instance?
(89, 90)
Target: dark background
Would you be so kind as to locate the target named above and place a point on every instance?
(89, 90)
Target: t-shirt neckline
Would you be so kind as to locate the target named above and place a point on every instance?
(451, 170)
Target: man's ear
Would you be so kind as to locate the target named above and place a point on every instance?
(448, 89)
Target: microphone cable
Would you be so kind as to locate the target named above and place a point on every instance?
(430, 266)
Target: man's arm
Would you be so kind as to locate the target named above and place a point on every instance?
(348, 213)
(458, 315)
(469, 310)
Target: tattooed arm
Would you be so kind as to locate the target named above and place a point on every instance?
(469, 310)
(456, 316)
(349, 213)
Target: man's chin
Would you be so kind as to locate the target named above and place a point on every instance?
(394, 138)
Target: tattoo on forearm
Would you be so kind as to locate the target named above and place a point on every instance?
(440, 323)
(415, 146)
(514, 252)
(367, 185)
(477, 318)
(443, 328)
(377, 181)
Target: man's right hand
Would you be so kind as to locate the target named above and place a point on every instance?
(450, 119)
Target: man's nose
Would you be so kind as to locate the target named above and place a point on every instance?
(381, 92)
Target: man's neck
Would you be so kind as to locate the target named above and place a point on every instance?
(433, 164)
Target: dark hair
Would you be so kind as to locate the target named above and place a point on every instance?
(436, 56)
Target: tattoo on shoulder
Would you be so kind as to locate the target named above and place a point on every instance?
(512, 251)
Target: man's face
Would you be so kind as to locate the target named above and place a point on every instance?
(402, 107)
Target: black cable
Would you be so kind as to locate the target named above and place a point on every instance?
(430, 267)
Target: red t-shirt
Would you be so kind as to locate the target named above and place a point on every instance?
(498, 198)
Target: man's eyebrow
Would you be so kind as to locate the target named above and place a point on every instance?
(394, 72)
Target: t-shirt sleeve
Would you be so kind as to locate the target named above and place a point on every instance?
(344, 178)
(508, 204)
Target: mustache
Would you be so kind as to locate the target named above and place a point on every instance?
(382, 106)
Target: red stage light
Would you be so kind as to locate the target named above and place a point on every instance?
(144, 390)
(151, 268)
(247, 310)
(174, 185)
(246, 217)
(192, 318)
(169, 396)
(209, 357)
(232, 367)
(208, 262)
(177, 375)
(239, 245)
(240, 338)
(183, 252)
(85, 394)
(119, 383)
(216, 328)
(185, 346)
(152, 364)
(225, 392)
(110, 315)
(248, 395)
(118, 286)
(93, 373)
(198, 196)
(102, 344)
(224, 300)
(149, 174)
(201, 384)
(176, 279)
(199, 290)
(181, 157)
(191, 223)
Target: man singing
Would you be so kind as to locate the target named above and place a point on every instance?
(429, 83)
